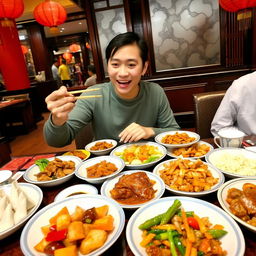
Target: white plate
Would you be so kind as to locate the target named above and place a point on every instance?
(215, 173)
(141, 166)
(170, 151)
(252, 148)
(34, 193)
(5, 175)
(30, 177)
(222, 196)
(213, 157)
(233, 242)
(31, 234)
(79, 188)
(110, 184)
(101, 152)
(160, 136)
(81, 171)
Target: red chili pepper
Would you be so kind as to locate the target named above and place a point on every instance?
(53, 227)
(192, 222)
(56, 235)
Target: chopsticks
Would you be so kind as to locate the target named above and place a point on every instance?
(87, 96)
(85, 90)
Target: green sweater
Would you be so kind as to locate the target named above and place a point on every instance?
(110, 114)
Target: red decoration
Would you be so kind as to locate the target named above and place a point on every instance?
(24, 49)
(88, 46)
(67, 56)
(50, 14)
(11, 9)
(236, 5)
(74, 47)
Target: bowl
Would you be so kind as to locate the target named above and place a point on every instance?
(233, 162)
(32, 234)
(222, 196)
(160, 136)
(5, 175)
(35, 195)
(233, 242)
(119, 151)
(171, 150)
(101, 152)
(30, 177)
(76, 191)
(77, 152)
(108, 185)
(215, 173)
(81, 172)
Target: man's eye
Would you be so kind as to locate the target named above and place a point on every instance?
(114, 65)
(131, 65)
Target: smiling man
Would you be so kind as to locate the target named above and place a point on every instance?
(129, 109)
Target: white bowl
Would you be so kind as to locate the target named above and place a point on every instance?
(170, 151)
(233, 242)
(101, 152)
(140, 166)
(108, 185)
(222, 196)
(34, 193)
(215, 173)
(160, 136)
(81, 171)
(76, 191)
(32, 234)
(30, 173)
(221, 153)
(5, 175)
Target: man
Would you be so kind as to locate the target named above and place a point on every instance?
(55, 72)
(92, 76)
(64, 74)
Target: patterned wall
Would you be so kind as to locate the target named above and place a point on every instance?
(186, 33)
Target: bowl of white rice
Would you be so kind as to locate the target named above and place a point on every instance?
(233, 162)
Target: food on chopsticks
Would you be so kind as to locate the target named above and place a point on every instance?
(139, 154)
(83, 231)
(78, 153)
(50, 170)
(176, 232)
(177, 138)
(242, 203)
(135, 188)
(14, 207)
(187, 175)
(101, 169)
(101, 145)
(195, 150)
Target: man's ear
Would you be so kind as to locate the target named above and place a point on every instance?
(145, 68)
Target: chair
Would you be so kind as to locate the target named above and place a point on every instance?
(84, 137)
(206, 105)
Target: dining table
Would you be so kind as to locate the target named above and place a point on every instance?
(10, 246)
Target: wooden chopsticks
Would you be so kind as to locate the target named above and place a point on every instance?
(85, 90)
(86, 96)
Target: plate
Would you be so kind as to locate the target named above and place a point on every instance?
(32, 234)
(215, 173)
(219, 156)
(121, 148)
(30, 177)
(108, 185)
(81, 172)
(76, 191)
(35, 194)
(73, 153)
(101, 152)
(233, 242)
(160, 136)
(170, 151)
(222, 195)
(5, 176)
(252, 148)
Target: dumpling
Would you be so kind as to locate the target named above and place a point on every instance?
(3, 203)
(7, 220)
(14, 195)
(21, 210)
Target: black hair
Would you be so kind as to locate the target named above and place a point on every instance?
(126, 39)
(64, 61)
(91, 68)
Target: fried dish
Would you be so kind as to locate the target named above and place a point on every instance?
(56, 169)
(242, 203)
(195, 150)
(77, 153)
(177, 138)
(101, 169)
(102, 145)
(135, 188)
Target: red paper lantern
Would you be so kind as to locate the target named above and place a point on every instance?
(24, 49)
(236, 5)
(67, 56)
(74, 47)
(50, 14)
(11, 9)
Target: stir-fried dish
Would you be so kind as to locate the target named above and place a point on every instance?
(50, 170)
(101, 145)
(243, 203)
(187, 175)
(83, 231)
(179, 233)
(140, 154)
(101, 169)
(135, 188)
(177, 138)
(78, 153)
(195, 150)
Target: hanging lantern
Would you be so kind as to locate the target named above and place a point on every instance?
(74, 47)
(88, 46)
(67, 56)
(50, 14)
(24, 49)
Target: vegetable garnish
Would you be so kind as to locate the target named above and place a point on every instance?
(42, 163)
